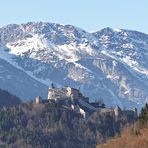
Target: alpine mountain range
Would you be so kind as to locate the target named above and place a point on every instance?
(111, 64)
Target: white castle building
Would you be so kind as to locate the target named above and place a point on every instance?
(66, 92)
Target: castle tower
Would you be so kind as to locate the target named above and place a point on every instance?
(73, 93)
(69, 91)
(51, 93)
(38, 100)
(117, 111)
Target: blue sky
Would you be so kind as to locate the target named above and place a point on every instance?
(90, 15)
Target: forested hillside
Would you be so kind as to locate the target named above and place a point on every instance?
(48, 125)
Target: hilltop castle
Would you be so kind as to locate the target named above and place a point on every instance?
(73, 99)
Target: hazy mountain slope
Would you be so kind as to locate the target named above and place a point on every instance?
(19, 83)
(7, 99)
(110, 63)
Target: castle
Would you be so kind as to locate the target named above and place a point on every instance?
(73, 99)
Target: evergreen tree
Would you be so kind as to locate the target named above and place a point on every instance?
(143, 117)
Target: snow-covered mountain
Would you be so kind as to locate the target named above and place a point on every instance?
(111, 63)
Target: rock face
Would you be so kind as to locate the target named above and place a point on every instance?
(111, 63)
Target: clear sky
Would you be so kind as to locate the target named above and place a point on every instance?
(90, 15)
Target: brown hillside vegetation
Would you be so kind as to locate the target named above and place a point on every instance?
(128, 139)
(135, 136)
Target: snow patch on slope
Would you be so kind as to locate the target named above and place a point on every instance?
(10, 59)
